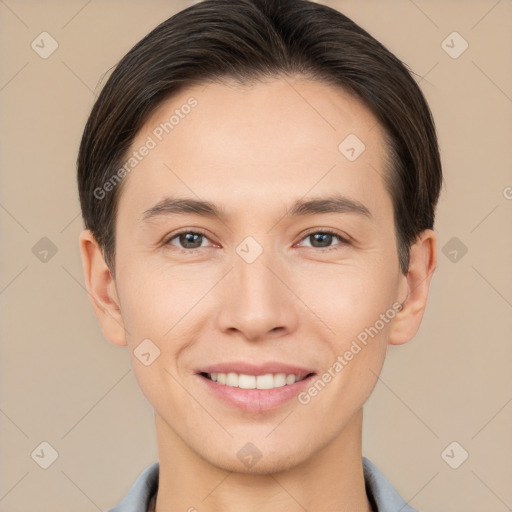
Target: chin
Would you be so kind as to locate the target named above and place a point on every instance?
(264, 461)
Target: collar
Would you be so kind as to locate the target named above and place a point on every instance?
(381, 494)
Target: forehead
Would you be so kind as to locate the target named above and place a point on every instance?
(253, 143)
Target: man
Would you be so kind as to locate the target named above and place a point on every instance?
(258, 182)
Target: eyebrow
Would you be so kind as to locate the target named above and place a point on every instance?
(302, 207)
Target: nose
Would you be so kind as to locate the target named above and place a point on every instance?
(256, 299)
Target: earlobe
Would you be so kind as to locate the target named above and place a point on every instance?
(423, 260)
(101, 288)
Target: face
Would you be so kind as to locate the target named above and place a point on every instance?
(290, 268)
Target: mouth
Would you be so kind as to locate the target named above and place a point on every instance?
(258, 390)
(246, 381)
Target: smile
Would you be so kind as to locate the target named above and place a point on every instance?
(244, 381)
(254, 393)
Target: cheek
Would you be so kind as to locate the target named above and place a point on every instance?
(343, 299)
(159, 308)
(155, 301)
(355, 301)
(349, 297)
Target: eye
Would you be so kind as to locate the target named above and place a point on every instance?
(188, 240)
(323, 239)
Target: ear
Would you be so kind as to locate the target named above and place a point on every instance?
(414, 288)
(101, 287)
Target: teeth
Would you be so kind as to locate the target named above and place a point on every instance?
(280, 379)
(290, 379)
(267, 381)
(246, 381)
(232, 379)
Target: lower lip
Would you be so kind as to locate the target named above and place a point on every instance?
(256, 400)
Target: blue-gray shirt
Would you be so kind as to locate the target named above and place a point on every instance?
(381, 494)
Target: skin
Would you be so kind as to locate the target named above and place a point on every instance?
(253, 150)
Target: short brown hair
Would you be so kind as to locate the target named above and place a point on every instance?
(250, 39)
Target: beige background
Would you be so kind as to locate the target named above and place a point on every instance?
(63, 383)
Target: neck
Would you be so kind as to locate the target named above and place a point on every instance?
(331, 479)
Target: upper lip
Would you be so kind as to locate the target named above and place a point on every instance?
(255, 369)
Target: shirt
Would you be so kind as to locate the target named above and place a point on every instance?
(141, 497)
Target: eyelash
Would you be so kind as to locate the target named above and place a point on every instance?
(326, 231)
